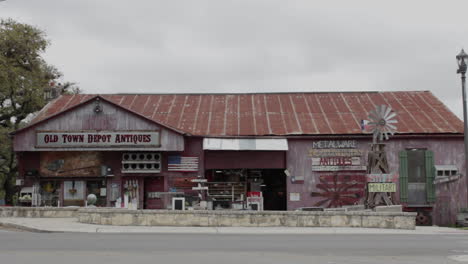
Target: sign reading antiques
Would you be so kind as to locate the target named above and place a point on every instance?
(97, 139)
(336, 155)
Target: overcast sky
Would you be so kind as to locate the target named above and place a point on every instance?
(194, 46)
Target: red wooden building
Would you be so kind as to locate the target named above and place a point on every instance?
(296, 149)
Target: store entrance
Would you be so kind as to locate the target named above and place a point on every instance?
(244, 188)
(154, 186)
(274, 190)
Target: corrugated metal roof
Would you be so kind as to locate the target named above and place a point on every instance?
(419, 112)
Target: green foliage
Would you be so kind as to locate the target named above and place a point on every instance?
(23, 73)
(24, 76)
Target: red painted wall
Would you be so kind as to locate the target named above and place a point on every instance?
(245, 159)
(450, 197)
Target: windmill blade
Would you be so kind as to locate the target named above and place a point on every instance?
(389, 109)
(393, 121)
(391, 126)
(383, 109)
(373, 115)
(386, 135)
(391, 115)
(379, 110)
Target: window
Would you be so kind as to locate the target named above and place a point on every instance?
(417, 174)
(416, 165)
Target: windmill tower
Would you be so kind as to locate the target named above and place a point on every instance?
(381, 125)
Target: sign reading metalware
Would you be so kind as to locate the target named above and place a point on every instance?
(97, 139)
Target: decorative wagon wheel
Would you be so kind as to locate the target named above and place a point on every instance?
(381, 123)
(423, 219)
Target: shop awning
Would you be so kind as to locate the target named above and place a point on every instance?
(26, 190)
(273, 144)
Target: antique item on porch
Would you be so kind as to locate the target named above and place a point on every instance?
(381, 125)
(91, 200)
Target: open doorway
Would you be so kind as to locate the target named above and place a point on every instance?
(228, 188)
(274, 190)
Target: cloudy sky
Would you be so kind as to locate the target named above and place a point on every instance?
(197, 46)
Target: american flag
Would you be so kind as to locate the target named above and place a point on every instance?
(365, 127)
(180, 163)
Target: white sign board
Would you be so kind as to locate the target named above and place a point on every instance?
(198, 180)
(339, 168)
(97, 139)
(294, 197)
(199, 188)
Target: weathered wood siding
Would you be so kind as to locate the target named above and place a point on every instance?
(245, 159)
(450, 197)
(112, 118)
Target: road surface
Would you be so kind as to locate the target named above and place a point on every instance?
(73, 248)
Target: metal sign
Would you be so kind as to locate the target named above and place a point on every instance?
(336, 155)
(337, 164)
(381, 187)
(334, 144)
(335, 152)
(200, 188)
(97, 139)
(382, 177)
(198, 180)
(336, 161)
(339, 168)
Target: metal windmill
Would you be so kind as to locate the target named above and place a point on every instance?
(381, 125)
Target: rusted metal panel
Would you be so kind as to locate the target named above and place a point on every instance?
(289, 115)
(203, 117)
(304, 117)
(163, 108)
(187, 121)
(317, 113)
(261, 121)
(174, 113)
(218, 114)
(246, 122)
(231, 121)
(277, 113)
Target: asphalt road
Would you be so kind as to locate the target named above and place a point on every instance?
(71, 248)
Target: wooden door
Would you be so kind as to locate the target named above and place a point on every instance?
(154, 186)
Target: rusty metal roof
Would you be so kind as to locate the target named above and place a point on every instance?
(259, 114)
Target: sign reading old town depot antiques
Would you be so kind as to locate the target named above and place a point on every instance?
(336, 155)
(96, 139)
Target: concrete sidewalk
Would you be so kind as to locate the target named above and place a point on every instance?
(60, 225)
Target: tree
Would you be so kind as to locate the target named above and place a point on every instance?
(24, 78)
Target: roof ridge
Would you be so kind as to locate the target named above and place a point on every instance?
(249, 93)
